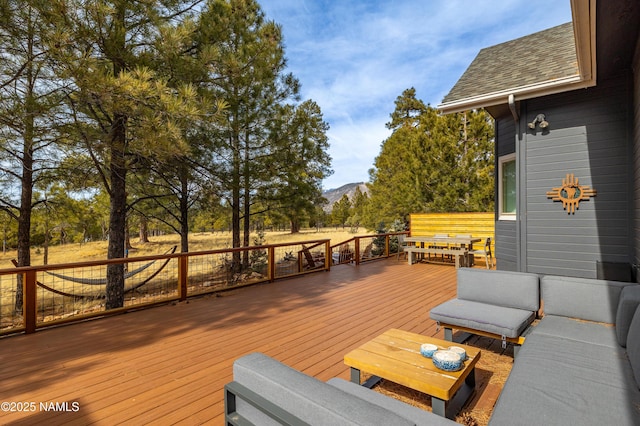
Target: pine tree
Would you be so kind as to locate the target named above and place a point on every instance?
(30, 99)
(301, 160)
(341, 210)
(432, 163)
(123, 108)
(246, 57)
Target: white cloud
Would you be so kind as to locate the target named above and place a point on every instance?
(354, 58)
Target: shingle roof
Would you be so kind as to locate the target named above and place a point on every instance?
(536, 58)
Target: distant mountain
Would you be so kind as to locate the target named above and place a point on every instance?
(333, 195)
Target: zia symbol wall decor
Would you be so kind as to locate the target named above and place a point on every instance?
(571, 193)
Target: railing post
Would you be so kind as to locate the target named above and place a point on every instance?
(327, 255)
(387, 241)
(183, 273)
(357, 241)
(271, 264)
(29, 301)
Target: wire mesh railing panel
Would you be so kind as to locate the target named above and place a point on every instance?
(209, 273)
(158, 282)
(82, 291)
(65, 293)
(258, 266)
(312, 256)
(286, 260)
(394, 244)
(219, 271)
(370, 248)
(343, 253)
(10, 317)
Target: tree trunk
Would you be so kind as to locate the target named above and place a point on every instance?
(24, 220)
(47, 239)
(295, 225)
(105, 230)
(127, 239)
(247, 206)
(184, 213)
(117, 170)
(143, 230)
(235, 204)
(117, 215)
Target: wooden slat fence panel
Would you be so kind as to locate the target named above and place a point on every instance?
(481, 225)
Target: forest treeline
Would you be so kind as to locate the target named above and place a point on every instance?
(115, 112)
(430, 163)
(179, 116)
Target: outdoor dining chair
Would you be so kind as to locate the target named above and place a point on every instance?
(468, 261)
(439, 244)
(402, 244)
(486, 252)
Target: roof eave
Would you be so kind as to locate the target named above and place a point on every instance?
(584, 28)
(520, 93)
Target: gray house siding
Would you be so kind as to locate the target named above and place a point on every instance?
(505, 230)
(589, 136)
(506, 243)
(636, 158)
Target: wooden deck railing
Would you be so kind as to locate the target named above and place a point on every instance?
(62, 293)
(364, 248)
(71, 292)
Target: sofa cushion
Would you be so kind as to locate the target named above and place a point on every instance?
(415, 414)
(498, 320)
(555, 381)
(597, 333)
(518, 290)
(629, 301)
(305, 397)
(584, 298)
(633, 345)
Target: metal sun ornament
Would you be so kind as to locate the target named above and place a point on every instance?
(571, 193)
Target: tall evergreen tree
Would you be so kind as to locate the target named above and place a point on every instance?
(30, 100)
(300, 161)
(124, 109)
(432, 163)
(248, 63)
(341, 210)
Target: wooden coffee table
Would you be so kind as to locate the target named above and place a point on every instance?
(395, 356)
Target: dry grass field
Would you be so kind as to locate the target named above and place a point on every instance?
(158, 245)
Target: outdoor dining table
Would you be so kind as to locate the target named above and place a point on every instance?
(466, 242)
(462, 241)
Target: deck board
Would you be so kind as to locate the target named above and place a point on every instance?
(169, 364)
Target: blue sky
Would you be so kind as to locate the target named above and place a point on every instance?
(354, 58)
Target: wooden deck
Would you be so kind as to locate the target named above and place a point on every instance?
(168, 364)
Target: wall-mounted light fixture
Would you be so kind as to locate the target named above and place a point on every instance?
(540, 120)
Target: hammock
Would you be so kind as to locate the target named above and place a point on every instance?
(102, 296)
(103, 281)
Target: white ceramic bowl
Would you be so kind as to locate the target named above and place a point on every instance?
(460, 351)
(447, 360)
(427, 349)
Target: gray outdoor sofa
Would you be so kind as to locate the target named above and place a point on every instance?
(267, 392)
(497, 304)
(572, 367)
(580, 364)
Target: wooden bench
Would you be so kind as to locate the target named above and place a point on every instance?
(459, 255)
